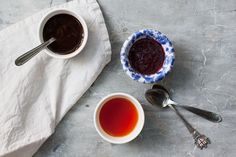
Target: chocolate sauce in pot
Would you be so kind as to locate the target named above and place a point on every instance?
(68, 32)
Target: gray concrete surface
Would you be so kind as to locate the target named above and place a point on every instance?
(204, 36)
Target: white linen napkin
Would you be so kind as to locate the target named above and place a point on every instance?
(35, 97)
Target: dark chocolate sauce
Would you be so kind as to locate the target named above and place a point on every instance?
(68, 32)
(146, 56)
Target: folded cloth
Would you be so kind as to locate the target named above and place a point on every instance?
(35, 97)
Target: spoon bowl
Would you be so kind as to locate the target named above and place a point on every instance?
(156, 98)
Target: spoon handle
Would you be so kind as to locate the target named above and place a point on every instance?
(186, 123)
(200, 140)
(203, 113)
(28, 55)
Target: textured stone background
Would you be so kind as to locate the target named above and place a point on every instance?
(204, 37)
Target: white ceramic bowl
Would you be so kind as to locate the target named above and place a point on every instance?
(79, 18)
(135, 132)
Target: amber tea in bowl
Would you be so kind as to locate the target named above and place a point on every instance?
(119, 118)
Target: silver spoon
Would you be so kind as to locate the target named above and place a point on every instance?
(28, 55)
(211, 116)
(161, 99)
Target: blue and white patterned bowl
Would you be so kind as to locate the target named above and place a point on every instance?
(167, 47)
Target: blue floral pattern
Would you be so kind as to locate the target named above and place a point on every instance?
(167, 47)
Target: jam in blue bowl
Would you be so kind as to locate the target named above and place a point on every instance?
(147, 56)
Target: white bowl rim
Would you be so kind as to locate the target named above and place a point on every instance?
(78, 17)
(124, 139)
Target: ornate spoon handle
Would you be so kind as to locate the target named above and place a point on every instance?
(200, 140)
